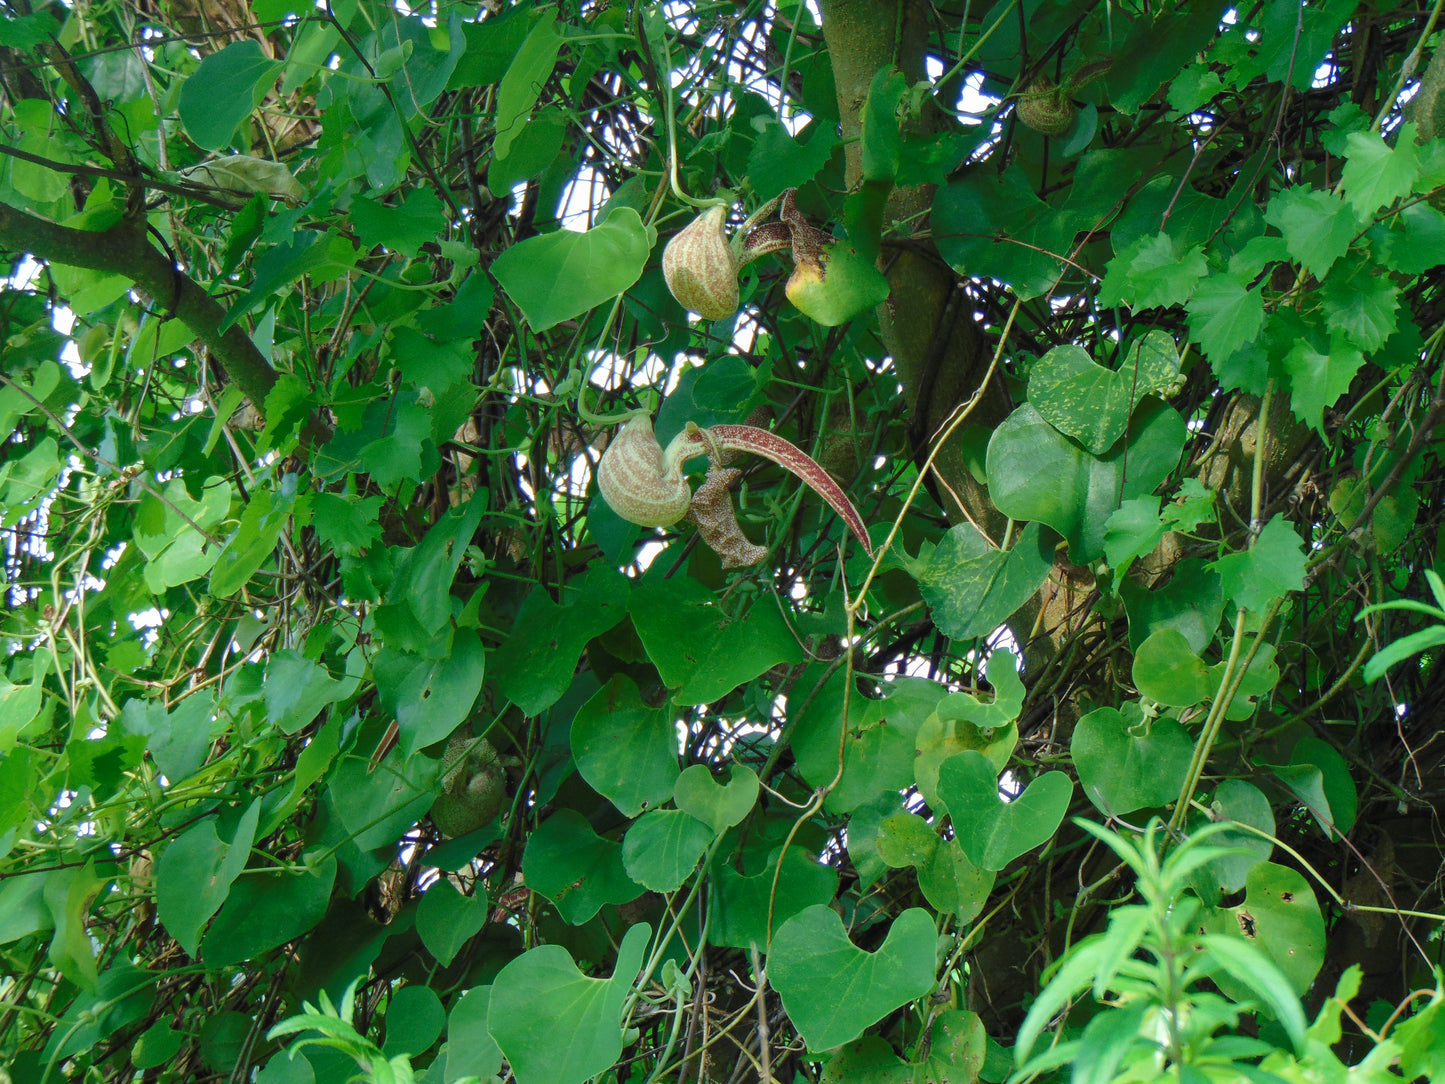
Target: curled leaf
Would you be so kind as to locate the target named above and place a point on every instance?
(246, 175)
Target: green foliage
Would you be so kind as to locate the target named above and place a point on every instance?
(812, 952)
(347, 733)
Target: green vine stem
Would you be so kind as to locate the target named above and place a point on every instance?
(1233, 674)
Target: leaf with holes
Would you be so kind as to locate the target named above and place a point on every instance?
(1092, 404)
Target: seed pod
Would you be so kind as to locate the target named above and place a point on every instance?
(1045, 108)
(701, 268)
(474, 787)
(637, 483)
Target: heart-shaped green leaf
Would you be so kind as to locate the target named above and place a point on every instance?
(377, 807)
(195, 873)
(625, 750)
(430, 697)
(1235, 800)
(1092, 404)
(662, 847)
(865, 832)
(1037, 473)
(537, 662)
(701, 650)
(575, 868)
(1260, 678)
(1319, 777)
(1167, 670)
(954, 885)
(1126, 764)
(906, 839)
(740, 903)
(556, 1025)
(564, 273)
(717, 805)
(264, 910)
(869, 1060)
(878, 750)
(1191, 602)
(223, 90)
(471, 1050)
(414, 1020)
(956, 1049)
(963, 722)
(984, 218)
(521, 86)
(812, 955)
(446, 920)
(993, 833)
(1337, 788)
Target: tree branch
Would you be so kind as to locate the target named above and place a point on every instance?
(79, 169)
(124, 250)
(115, 148)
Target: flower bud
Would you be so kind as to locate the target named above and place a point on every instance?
(635, 481)
(474, 787)
(700, 267)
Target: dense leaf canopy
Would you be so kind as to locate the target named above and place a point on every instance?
(1001, 637)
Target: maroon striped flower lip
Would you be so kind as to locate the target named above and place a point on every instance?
(763, 442)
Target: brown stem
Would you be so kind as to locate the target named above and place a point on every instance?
(116, 149)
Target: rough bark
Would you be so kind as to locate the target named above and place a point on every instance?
(928, 323)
